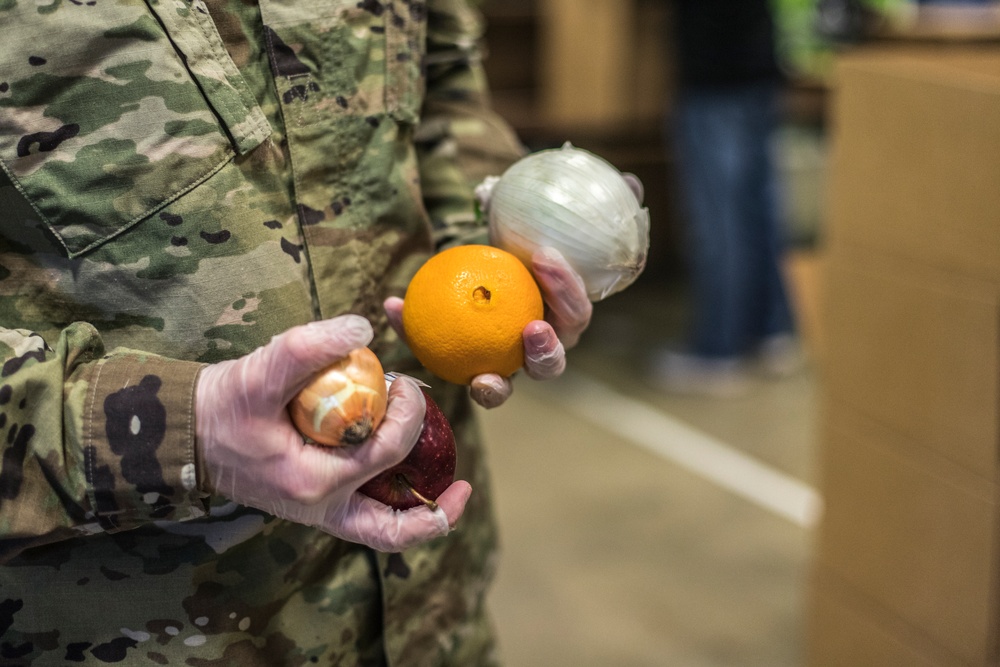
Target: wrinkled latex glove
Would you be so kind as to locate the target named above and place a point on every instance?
(250, 451)
(567, 315)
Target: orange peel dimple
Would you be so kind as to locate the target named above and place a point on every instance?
(465, 311)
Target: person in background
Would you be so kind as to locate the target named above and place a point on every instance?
(722, 128)
(202, 204)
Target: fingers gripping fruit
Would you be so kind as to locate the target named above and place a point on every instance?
(465, 310)
(426, 471)
(344, 405)
(577, 202)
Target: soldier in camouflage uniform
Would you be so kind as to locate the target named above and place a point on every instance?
(182, 182)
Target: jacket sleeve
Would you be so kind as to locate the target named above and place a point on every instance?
(94, 442)
(460, 139)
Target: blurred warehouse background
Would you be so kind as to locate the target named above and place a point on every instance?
(645, 528)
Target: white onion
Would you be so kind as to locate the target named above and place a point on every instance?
(576, 202)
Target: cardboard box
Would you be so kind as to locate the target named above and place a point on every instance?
(604, 63)
(916, 155)
(908, 551)
(847, 630)
(918, 350)
(913, 531)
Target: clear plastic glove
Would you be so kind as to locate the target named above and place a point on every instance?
(250, 451)
(567, 315)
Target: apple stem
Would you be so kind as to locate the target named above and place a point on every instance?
(401, 478)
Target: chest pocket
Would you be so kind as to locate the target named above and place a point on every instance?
(338, 59)
(110, 110)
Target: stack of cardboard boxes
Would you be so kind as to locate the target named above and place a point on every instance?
(907, 567)
(580, 66)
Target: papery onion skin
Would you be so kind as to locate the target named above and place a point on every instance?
(576, 202)
(344, 403)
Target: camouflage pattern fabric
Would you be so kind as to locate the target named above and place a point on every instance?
(181, 180)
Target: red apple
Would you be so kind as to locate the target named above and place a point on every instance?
(426, 471)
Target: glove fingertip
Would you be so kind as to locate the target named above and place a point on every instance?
(453, 501)
(393, 307)
(490, 390)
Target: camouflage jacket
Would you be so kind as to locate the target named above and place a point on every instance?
(181, 180)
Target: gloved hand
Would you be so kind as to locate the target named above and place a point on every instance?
(250, 452)
(567, 314)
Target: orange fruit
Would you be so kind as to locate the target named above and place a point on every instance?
(465, 310)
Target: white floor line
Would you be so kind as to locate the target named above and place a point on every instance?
(690, 448)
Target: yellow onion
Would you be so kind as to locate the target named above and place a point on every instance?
(345, 403)
(576, 202)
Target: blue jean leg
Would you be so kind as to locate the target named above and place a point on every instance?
(728, 190)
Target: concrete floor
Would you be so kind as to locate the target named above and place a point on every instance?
(645, 529)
